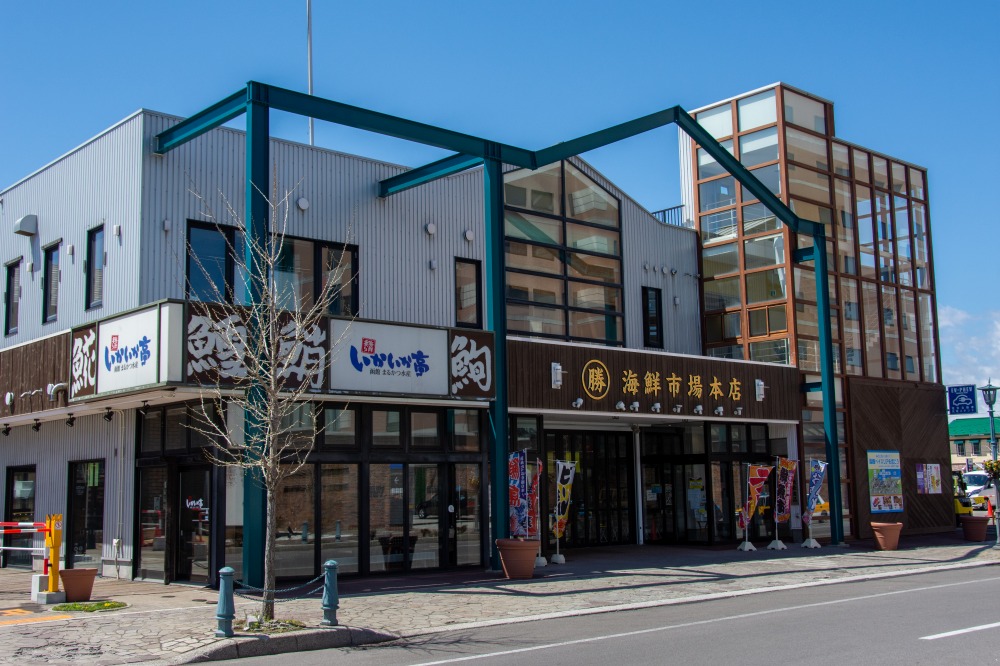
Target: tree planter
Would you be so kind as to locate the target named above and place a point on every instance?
(517, 557)
(886, 535)
(974, 527)
(78, 584)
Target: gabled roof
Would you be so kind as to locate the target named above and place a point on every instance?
(979, 427)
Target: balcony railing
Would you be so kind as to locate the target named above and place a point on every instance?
(672, 216)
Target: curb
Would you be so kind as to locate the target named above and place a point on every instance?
(241, 647)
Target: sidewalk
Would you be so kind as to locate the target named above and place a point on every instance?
(175, 623)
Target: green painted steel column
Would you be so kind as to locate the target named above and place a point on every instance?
(496, 321)
(829, 394)
(255, 222)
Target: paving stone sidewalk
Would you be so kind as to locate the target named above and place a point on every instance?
(170, 624)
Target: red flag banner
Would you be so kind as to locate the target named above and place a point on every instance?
(783, 494)
(758, 477)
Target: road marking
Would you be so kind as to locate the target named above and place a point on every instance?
(960, 631)
(683, 625)
(37, 618)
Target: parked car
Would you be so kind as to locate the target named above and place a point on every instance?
(979, 487)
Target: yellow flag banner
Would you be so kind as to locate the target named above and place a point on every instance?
(565, 471)
(783, 493)
(756, 480)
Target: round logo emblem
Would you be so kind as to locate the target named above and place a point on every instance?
(596, 381)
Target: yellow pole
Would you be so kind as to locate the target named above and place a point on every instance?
(53, 540)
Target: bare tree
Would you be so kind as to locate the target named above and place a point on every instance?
(266, 359)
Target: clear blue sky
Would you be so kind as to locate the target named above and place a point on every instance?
(534, 73)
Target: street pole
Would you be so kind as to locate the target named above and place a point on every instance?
(990, 398)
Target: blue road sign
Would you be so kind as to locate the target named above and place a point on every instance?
(962, 399)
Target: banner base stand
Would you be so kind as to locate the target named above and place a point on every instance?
(811, 543)
(540, 561)
(746, 546)
(558, 559)
(777, 545)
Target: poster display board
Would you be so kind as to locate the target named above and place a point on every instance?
(928, 479)
(885, 482)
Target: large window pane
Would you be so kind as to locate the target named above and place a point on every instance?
(386, 517)
(424, 432)
(866, 235)
(534, 228)
(812, 212)
(726, 351)
(841, 161)
(590, 239)
(805, 112)
(880, 172)
(766, 251)
(766, 286)
(717, 193)
(340, 536)
(295, 513)
(294, 274)
(340, 427)
(535, 319)
(595, 326)
(890, 324)
(707, 166)
(426, 505)
(808, 184)
(851, 326)
(928, 350)
(722, 326)
(770, 351)
(12, 297)
(718, 121)
(921, 250)
(916, 183)
(759, 147)
(465, 431)
(757, 218)
(757, 111)
(861, 170)
(898, 178)
(587, 201)
(718, 226)
(85, 525)
(50, 299)
(594, 268)
(533, 288)
(720, 259)
(595, 296)
(209, 269)
(340, 274)
(467, 309)
(722, 294)
(533, 258)
(806, 149)
(770, 176)
(95, 267)
(385, 429)
(872, 316)
(908, 333)
(537, 190)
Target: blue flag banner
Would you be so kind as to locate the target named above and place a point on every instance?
(817, 470)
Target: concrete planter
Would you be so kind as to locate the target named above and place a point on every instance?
(517, 557)
(78, 584)
(887, 535)
(974, 527)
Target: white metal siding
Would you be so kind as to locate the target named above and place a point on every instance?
(687, 177)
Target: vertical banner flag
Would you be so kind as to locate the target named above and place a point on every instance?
(817, 470)
(783, 494)
(757, 479)
(564, 484)
(517, 493)
(533, 530)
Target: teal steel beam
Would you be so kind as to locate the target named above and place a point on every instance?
(256, 218)
(812, 387)
(803, 254)
(214, 116)
(496, 320)
(425, 174)
(595, 140)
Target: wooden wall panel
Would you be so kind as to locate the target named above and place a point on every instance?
(29, 369)
(911, 419)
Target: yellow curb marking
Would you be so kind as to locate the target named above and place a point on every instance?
(37, 618)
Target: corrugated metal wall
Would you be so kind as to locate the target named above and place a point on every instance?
(687, 177)
(52, 448)
(94, 184)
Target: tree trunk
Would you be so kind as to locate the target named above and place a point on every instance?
(267, 609)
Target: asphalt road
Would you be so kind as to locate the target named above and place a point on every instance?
(939, 618)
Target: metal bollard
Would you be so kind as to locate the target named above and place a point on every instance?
(225, 611)
(305, 532)
(331, 599)
(338, 531)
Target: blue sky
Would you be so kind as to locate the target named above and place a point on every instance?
(914, 80)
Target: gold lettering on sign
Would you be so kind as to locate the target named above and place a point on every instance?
(674, 384)
(630, 382)
(735, 391)
(694, 385)
(595, 379)
(716, 385)
(652, 381)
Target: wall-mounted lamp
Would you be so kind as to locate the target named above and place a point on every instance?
(107, 415)
(673, 271)
(430, 228)
(720, 410)
(578, 403)
(166, 225)
(303, 204)
(738, 411)
(70, 250)
(634, 407)
(698, 409)
(664, 270)
(677, 300)
(433, 264)
(657, 408)
(117, 229)
(8, 399)
(6, 430)
(676, 409)
(645, 266)
(37, 425)
(758, 389)
(144, 408)
(71, 421)
(557, 375)
(470, 235)
(620, 406)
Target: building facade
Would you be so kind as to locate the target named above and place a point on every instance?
(969, 440)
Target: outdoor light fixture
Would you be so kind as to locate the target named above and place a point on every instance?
(634, 407)
(107, 414)
(37, 425)
(738, 411)
(698, 409)
(71, 421)
(8, 398)
(6, 430)
(720, 410)
(657, 408)
(677, 408)
(620, 406)
(578, 403)
(430, 228)
(990, 398)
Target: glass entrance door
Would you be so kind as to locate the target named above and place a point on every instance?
(193, 526)
(85, 515)
(20, 509)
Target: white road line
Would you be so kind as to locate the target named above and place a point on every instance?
(741, 616)
(958, 632)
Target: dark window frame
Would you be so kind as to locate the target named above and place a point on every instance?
(89, 268)
(478, 266)
(50, 261)
(12, 301)
(652, 318)
(229, 234)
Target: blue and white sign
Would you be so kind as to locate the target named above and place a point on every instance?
(128, 351)
(382, 358)
(962, 399)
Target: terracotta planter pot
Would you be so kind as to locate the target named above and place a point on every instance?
(974, 527)
(517, 557)
(887, 535)
(78, 584)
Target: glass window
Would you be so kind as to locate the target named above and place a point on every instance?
(536, 319)
(921, 250)
(533, 258)
(340, 526)
(842, 201)
(591, 239)
(210, 264)
(340, 427)
(175, 438)
(204, 424)
(722, 294)
(652, 317)
(770, 351)
(95, 267)
(898, 178)
(722, 326)
(757, 218)
(534, 228)
(861, 170)
(757, 111)
(804, 112)
(718, 121)
(295, 513)
(12, 297)
(424, 432)
(718, 226)
(587, 201)
(916, 183)
(841, 161)
(727, 351)
(294, 274)
(51, 278)
(152, 432)
(297, 427)
(866, 235)
(880, 172)
(812, 212)
(524, 287)
(770, 176)
(765, 251)
(759, 147)
(766, 286)
(707, 166)
(537, 190)
(806, 149)
(890, 324)
(340, 276)
(873, 347)
(595, 326)
(717, 193)
(808, 184)
(385, 429)
(465, 431)
(776, 319)
(720, 259)
(468, 311)
(590, 267)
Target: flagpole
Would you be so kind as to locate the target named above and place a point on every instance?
(745, 545)
(540, 560)
(776, 543)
